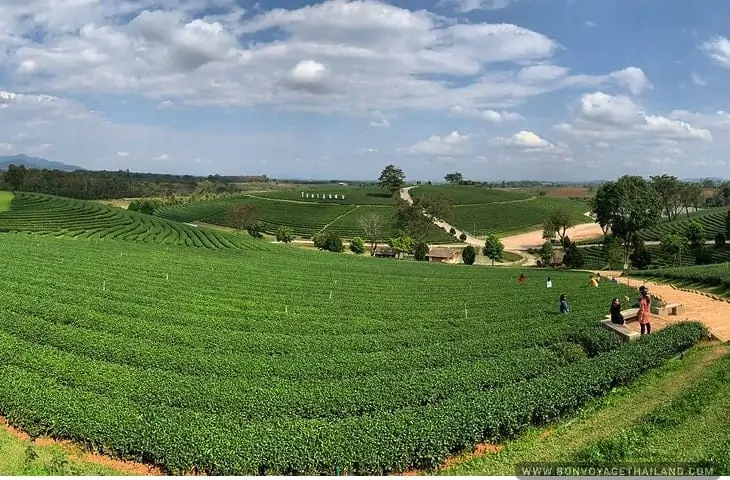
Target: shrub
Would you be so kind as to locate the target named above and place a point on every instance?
(284, 234)
(640, 257)
(595, 340)
(703, 256)
(469, 254)
(255, 230)
(462, 237)
(720, 240)
(573, 257)
(420, 251)
(357, 245)
(452, 231)
(328, 241)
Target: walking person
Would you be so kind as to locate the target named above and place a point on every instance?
(564, 308)
(645, 311)
(549, 283)
(617, 317)
(522, 278)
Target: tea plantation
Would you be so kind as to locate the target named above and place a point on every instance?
(287, 361)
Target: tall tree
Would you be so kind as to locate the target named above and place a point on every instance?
(672, 246)
(242, 215)
(454, 178)
(493, 248)
(626, 206)
(546, 253)
(695, 234)
(392, 179)
(416, 219)
(559, 221)
(690, 196)
(15, 176)
(372, 226)
(668, 189)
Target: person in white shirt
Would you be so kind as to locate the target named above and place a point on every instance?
(549, 283)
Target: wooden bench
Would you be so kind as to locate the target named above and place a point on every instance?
(623, 331)
(670, 309)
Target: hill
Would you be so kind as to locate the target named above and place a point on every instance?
(34, 162)
(293, 361)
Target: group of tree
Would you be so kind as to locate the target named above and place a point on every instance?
(244, 216)
(94, 185)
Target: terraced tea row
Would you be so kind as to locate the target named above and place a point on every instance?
(712, 220)
(594, 258)
(699, 275)
(48, 215)
(299, 362)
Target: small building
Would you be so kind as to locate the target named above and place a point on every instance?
(384, 251)
(443, 255)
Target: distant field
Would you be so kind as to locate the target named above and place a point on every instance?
(575, 192)
(592, 256)
(707, 276)
(372, 195)
(511, 218)
(468, 194)
(304, 218)
(6, 199)
(712, 219)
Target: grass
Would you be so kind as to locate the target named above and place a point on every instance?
(23, 457)
(713, 279)
(468, 194)
(675, 413)
(6, 199)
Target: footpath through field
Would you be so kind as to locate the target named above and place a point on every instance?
(715, 314)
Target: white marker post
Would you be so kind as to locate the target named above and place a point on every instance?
(330, 294)
(103, 285)
(466, 313)
(167, 276)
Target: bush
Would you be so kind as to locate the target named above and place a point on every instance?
(573, 257)
(255, 230)
(720, 240)
(328, 241)
(703, 256)
(284, 234)
(462, 237)
(469, 254)
(142, 206)
(420, 251)
(357, 245)
(595, 340)
(452, 231)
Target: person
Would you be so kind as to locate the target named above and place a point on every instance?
(522, 278)
(549, 283)
(564, 304)
(645, 311)
(594, 282)
(616, 317)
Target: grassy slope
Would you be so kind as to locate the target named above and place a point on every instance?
(675, 413)
(372, 195)
(6, 198)
(593, 257)
(714, 279)
(468, 194)
(712, 219)
(21, 457)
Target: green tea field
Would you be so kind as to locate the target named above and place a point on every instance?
(703, 277)
(712, 219)
(236, 361)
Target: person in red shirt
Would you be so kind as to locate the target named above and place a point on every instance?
(645, 311)
(522, 278)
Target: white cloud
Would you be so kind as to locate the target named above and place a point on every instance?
(465, 6)
(632, 78)
(123, 154)
(590, 24)
(488, 115)
(698, 80)
(718, 49)
(382, 123)
(161, 158)
(451, 144)
(530, 142)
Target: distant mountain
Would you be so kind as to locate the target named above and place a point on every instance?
(34, 162)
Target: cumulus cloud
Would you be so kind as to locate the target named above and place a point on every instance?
(465, 6)
(530, 142)
(451, 144)
(718, 49)
(632, 78)
(488, 115)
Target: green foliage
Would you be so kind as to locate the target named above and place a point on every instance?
(357, 245)
(454, 178)
(546, 253)
(640, 257)
(142, 206)
(695, 234)
(15, 176)
(672, 245)
(469, 195)
(612, 254)
(573, 257)
(285, 235)
(717, 275)
(452, 231)
(307, 365)
(391, 179)
(493, 248)
(559, 221)
(712, 220)
(702, 255)
(403, 244)
(720, 240)
(328, 241)
(727, 224)
(462, 237)
(420, 251)
(469, 254)
(255, 229)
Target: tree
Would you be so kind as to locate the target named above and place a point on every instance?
(452, 231)
(392, 179)
(328, 241)
(668, 189)
(640, 257)
(546, 253)
(416, 219)
(454, 178)
(720, 240)
(695, 234)
(142, 206)
(627, 206)
(672, 246)
(372, 225)
(559, 221)
(242, 215)
(573, 257)
(255, 229)
(420, 251)
(284, 235)
(402, 244)
(690, 196)
(357, 245)
(702, 256)
(462, 237)
(727, 225)
(15, 176)
(612, 253)
(548, 233)
(493, 248)
(468, 255)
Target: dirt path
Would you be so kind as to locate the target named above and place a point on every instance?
(713, 313)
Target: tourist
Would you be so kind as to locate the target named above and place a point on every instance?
(645, 311)
(564, 304)
(549, 283)
(522, 278)
(617, 317)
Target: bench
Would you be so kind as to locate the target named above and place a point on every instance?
(623, 331)
(629, 314)
(670, 309)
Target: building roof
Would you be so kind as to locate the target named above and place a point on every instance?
(441, 253)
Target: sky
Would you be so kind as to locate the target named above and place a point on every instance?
(495, 89)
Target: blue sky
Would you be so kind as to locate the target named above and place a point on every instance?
(496, 89)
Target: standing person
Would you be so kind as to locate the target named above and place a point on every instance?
(645, 311)
(522, 278)
(564, 304)
(616, 317)
(549, 283)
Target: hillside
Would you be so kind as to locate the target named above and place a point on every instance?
(34, 162)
